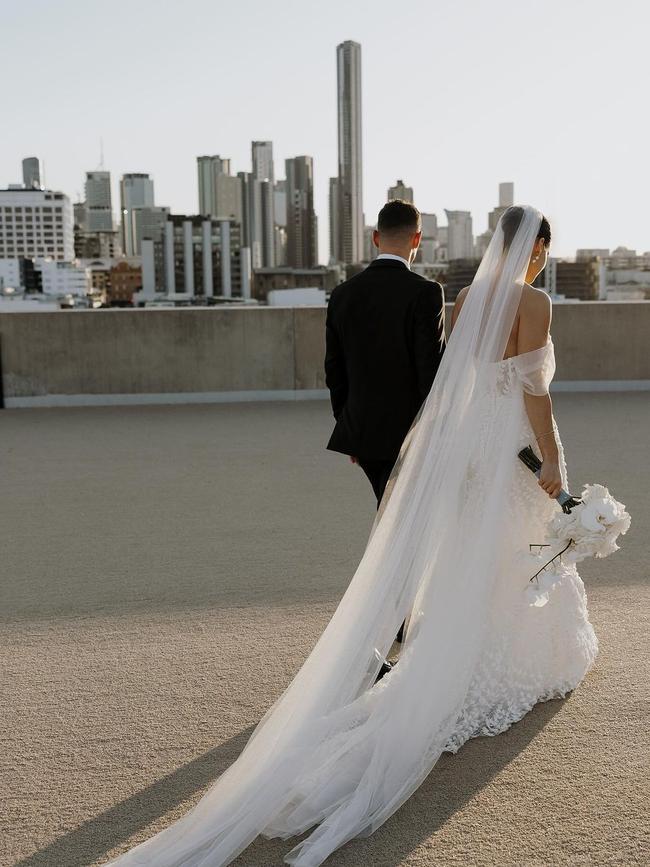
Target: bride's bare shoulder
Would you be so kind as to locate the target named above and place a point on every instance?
(534, 318)
(534, 302)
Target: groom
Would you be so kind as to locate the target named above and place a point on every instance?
(384, 340)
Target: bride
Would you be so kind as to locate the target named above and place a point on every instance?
(339, 753)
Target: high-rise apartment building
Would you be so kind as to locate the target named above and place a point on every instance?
(136, 191)
(262, 158)
(460, 240)
(219, 192)
(196, 256)
(349, 191)
(280, 202)
(36, 223)
(302, 232)
(400, 191)
(99, 209)
(263, 203)
(429, 226)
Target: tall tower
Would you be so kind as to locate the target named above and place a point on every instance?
(262, 152)
(350, 186)
(136, 191)
(263, 205)
(210, 170)
(32, 173)
(506, 194)
(99, 211)
(302, 250)
(460, 240)
(506, 200)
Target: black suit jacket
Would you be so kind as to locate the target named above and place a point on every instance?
(384, 340)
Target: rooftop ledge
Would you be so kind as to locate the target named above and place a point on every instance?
(213, 355)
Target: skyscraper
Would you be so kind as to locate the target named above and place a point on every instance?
(400, 191)
(460, 240)
(506, 199)
(211, 171)
(36, 223)
(99, 210)
(349, 192)
(32, 173)
(136, 191)
(263, 199)
(302, 246)
(262, 153)
(335, 215)
(506, 194)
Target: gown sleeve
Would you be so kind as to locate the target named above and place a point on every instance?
(536, 369)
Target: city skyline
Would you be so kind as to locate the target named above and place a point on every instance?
(428, 118)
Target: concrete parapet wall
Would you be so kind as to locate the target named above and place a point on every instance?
(214, 354)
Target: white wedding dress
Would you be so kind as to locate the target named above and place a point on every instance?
(529, 654)
(339, 754)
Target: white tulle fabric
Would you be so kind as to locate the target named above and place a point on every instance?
(339, 754)
(536, 369)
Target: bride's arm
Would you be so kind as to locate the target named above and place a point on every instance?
(533, 333)
(460, 298)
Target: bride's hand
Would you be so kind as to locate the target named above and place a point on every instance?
(550, 478)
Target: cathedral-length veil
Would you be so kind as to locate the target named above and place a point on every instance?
(336, 753)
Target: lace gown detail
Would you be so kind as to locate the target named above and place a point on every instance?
(529, 654)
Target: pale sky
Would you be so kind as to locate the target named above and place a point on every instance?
(457, 96)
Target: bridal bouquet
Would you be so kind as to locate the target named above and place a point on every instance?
(588, 528)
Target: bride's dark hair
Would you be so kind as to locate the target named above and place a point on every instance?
(511, 220)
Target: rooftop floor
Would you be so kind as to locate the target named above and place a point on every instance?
(165, 570)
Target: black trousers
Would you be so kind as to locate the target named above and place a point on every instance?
(378, 473)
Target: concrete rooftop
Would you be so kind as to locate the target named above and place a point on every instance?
(165, 570)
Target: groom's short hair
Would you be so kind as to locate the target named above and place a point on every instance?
(398, 217)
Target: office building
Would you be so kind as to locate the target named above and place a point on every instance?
(196, 256)
(209, 169)
(32, 173)
(262, 159)
(460, 241)
(98, 210)
(63, 278)
(302, 232)
(136, 191)
(506, 200)
(429, 226)
(506, 194)
(36, 223)
(140, 223)
(220, 194)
